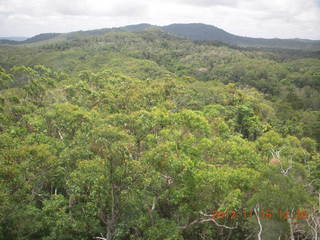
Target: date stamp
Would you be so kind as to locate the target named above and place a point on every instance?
(267, 214)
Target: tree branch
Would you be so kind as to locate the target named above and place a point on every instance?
(60, 135)
(210, 219)
(256, 211)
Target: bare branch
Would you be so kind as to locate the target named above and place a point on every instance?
(291, 225)
(223, 226)
(313, 221)
(210, 219)
(276, 154)
(61, 137)
(286, 171)
(256, 211)
(214, 221)
(150, 210)
(101, 238)
(168, 178)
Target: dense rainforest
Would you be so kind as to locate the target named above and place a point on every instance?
(149, 136)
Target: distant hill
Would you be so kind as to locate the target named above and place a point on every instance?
(199, 31)
(14, 38)
(41, 37)
(48, 36)
(194, 31)
(36, 38)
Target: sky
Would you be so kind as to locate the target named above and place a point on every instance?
(252, 18)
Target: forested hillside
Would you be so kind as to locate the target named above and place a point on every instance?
(194, 31)
(148, 136)
(199, 31)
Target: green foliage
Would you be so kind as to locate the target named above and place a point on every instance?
(142, 135)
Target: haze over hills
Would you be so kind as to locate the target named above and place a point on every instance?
(194, 31)
(14, 38)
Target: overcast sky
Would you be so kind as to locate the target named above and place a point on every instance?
(254, 18)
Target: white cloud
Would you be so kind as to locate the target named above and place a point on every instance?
(209, 3)
(256, 18)
(97, 8)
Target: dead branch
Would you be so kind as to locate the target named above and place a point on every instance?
(101, 238)
(60, 135)
(256, 211)
(285, 171)
(210, 219)
(215, 222)
(276, 154)
(168, 179)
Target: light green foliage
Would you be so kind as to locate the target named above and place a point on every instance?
(142, 135)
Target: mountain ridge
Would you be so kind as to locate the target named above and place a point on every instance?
(193, 31)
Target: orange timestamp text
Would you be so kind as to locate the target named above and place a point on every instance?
(267, 214)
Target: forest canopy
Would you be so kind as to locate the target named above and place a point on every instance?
(145, 135)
